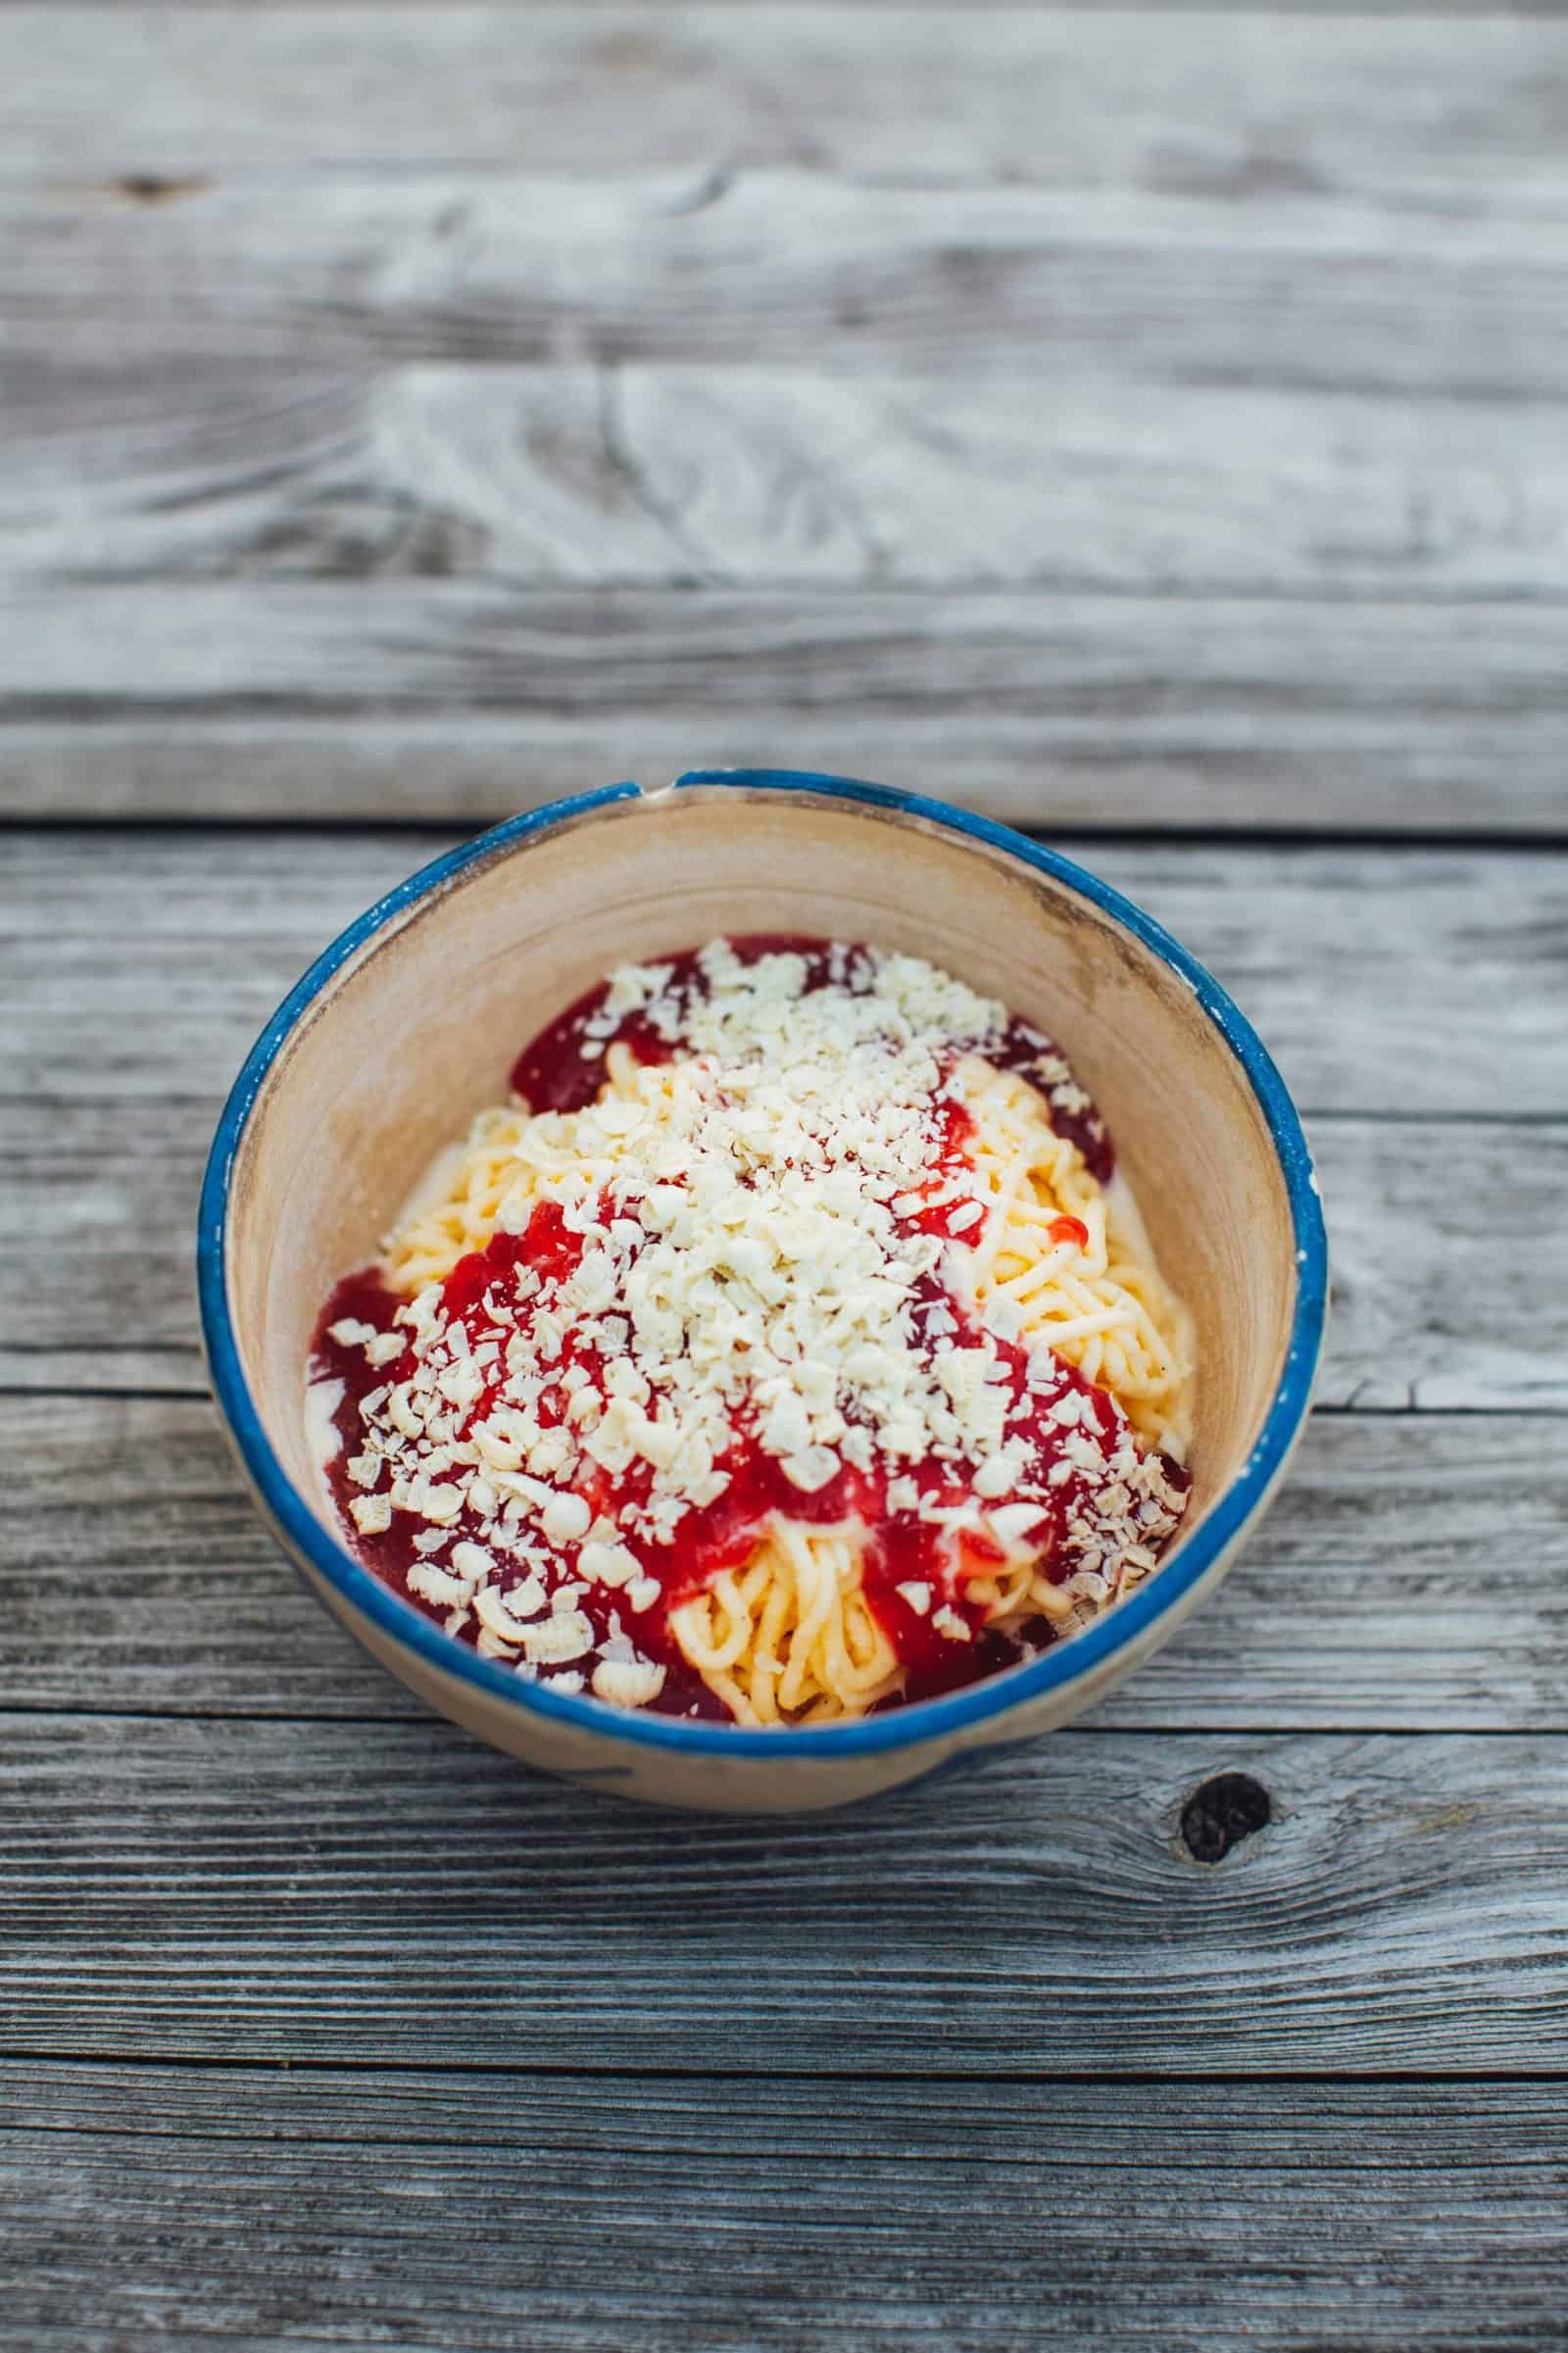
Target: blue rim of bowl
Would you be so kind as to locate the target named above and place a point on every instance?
(902, 1726)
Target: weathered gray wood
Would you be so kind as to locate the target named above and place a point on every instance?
(1437, 10)
(1410, 1576)
(1423, 982)
(1320, 151)
(1216, 753)
(97, 1227)
(1435, 1305)
(390, 1894)
(758, 476)
(1190, 102)
(468, 700)
(448, 265)
(1124, 421)
(258, 2207)
(97, 1236)
(1118, 681)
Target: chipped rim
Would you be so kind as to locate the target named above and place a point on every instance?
(920, 1721)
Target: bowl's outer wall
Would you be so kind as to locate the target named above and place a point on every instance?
(419, 1028)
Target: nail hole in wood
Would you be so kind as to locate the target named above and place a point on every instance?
(1221, 1813)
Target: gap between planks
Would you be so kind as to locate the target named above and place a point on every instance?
(222, 2066)
(1144, 835)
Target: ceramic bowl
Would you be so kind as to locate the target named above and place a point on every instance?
(408, 1023)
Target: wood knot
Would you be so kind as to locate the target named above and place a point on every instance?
(151, 187)
(1221, 1813)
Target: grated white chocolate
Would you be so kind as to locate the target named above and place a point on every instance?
(748, 1259)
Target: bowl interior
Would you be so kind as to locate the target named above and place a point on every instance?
(419, 1029)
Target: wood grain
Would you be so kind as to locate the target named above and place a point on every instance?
(756, 478)
(1059, 354)
(1118, 680)
(250, 2205)
(468, 700)
(1258, 109)
(1423, 983)
(1142, 423)
(1217, 756)
(1410, 1576)
(384, 1893)
(452, 266)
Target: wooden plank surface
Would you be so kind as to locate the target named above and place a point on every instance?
(1086, 308)
(467, 701)
(393, 1894)
(258, 2207)
(1410, 1576)
(1138, 424)
(1312, 770)
(615, 476)
(1424, 982)
(449, 265)
(1260, 107)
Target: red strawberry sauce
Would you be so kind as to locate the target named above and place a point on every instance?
(555, 1072)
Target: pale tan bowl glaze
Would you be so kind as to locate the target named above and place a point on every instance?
(417, 1029)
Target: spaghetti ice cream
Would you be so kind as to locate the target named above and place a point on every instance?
(787, 1348)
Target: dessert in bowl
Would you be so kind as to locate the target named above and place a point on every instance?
(742, 1293)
